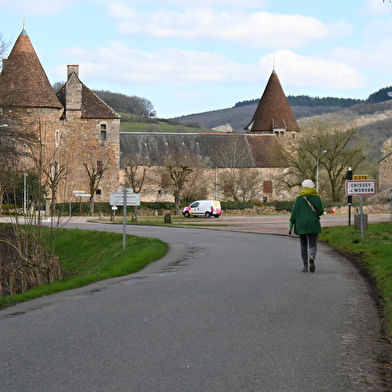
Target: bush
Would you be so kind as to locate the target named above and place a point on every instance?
(284, 205)
(235, 205)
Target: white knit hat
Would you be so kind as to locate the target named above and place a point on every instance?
(308, 184)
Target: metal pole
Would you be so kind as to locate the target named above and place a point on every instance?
(24, 184)
(317, 165)
(125, 218)
(349, 198)
(361, 216)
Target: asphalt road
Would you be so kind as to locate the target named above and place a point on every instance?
(223, 311)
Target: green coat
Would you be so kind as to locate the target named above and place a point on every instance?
(302, 217)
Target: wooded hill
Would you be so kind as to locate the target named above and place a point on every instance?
(303, 106)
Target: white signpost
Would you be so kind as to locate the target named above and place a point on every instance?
(361, 188)
(125, 197)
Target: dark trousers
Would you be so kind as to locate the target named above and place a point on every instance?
(308, 241)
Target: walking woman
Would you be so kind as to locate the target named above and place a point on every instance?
(305, 218)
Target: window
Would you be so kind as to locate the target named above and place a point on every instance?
(99, 165)
(164, 180)
(267, 187)
(103, 131)
(98, 192)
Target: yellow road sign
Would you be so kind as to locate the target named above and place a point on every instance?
(360, 177)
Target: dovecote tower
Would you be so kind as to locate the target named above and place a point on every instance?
(273, 114)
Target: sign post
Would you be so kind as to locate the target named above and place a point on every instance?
(361, 188)
(126, 197)
(349, 198)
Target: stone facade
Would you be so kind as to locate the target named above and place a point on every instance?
(74, 127)
(385, 170)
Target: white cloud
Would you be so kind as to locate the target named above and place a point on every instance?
(311, 71)
(120, 64)
(243, 4)
(36, 7)
(255, 29)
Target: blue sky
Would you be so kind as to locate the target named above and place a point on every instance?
(193, 56)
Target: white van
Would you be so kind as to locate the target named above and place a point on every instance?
(205, 208)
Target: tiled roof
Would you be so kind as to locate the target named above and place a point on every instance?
(259, 150)
(273, 110)
(23, 81)
(92, 105)
(265, 150)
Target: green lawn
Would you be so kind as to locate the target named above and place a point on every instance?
(90, 256)
(373, 253)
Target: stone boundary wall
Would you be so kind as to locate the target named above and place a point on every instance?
(367, 209)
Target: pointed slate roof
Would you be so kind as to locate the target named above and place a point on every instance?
(273, 110)
(92, 105)
(23, 81)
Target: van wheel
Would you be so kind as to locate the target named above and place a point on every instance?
(208, 215)
(186, 214)
(216, 216)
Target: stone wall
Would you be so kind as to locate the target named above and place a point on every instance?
(385, 170)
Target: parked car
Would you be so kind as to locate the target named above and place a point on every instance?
(205, 208)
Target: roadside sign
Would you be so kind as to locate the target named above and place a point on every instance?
(360, 177)
(128, 190)
(131, 199)
(79, 191)
(361, 188)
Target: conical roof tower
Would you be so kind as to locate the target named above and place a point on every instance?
(273, 114)
(23, 81)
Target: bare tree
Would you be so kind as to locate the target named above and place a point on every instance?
(95, 173)
(55, 172)
(4, 45)
(238, 179)
(344, 145)
(30, 248)
(135, 168)
(176, 170)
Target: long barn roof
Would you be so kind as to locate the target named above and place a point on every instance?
(256, 150)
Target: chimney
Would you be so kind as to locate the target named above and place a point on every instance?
(73, 69)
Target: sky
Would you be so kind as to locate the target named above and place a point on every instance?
(190, 57)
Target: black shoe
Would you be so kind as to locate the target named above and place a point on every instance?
(312, 267)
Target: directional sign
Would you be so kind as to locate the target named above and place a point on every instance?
(361, 188)
(132, 199)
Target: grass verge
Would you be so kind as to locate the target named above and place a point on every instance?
(91, 256)
(372, 254)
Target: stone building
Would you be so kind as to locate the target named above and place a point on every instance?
(78, 130)
(385, 178)
(75, 128)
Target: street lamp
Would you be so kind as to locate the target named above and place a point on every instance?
(317, 163)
